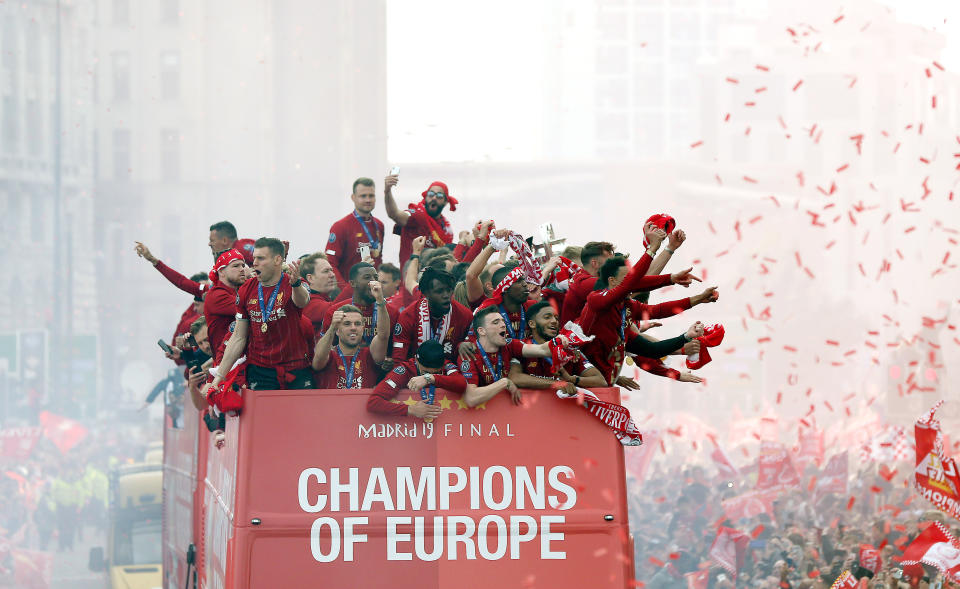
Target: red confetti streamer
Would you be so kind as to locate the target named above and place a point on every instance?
(749, 179)
(656, 561)
(763, 68)
(733, 80)
(696, 144)
(838, 19)
(797, 85)
(843, 167)
(851, 502)
(757, 531)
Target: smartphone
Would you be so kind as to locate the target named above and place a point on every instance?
(364, 252)
(394, 170)
(163, 346)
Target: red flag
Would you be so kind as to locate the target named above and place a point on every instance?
(750, 504)
(870, 558)
(844, 581)
(63, 432)
(834, 477)
(936, 547)
(729, 549)
(16, 443)
(32, 569)
(936, 477)
(775, 469)
(698, 580)
(725, 469)
(638, 459)
(811, 446)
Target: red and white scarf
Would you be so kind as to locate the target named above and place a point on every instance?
(440, 231)
(564, 354)
(496, 297)
(424, 332)
(616, 417)
(531, 267)
(559, 279)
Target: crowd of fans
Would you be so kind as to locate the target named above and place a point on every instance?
(806, 541)
(482, 313)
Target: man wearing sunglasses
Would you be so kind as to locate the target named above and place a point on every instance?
(424, 218)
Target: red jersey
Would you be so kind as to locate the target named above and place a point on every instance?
(219, 309)
(396, 380)
(316, 308)
(516, 321)
(407, 336)
(543, 367)
(416, 226)
(608, 313)
(369, 325)
(346, 237)
(245, 247)
(283, 344)
(581, 285)
(334, 374)
(476, 371)
(402, 299)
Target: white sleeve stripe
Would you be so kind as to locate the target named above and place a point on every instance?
(331, 252)
(391, 383)
(398, 345)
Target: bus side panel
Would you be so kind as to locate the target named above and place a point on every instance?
(285, 432)
(179, 482)
(199, 508)
(218, 505)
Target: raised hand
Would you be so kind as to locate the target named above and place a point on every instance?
(418, 243)
(144, 252)
(684, 277)
(676, 239)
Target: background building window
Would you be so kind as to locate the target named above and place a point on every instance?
(170, 75)
(121, 76)
(121, 154)
(121, 12)
(169, 155)
(170, 12)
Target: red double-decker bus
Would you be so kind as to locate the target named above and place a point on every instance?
(311, 490)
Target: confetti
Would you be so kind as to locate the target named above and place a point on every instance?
(797, 85)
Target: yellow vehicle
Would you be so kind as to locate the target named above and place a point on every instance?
(134, 548)
(154, 454)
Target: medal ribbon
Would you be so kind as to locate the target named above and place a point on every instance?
(623, 323)
(498, 374)
(348, 368)
(506, 319)
(374, 243)
(428, 394)
(265, 312)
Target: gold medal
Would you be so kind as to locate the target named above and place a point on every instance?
(428, 420)
(374, 253)
(263, 327)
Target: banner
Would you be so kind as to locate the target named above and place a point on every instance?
(775, 471)
(869, 558)
(616, 417)
(936, 477)
(729, 549)
(936, 547)
(810, 440)
(63, 432)
(750, 504)
(834, 477)
(16, 443)
(698, 580)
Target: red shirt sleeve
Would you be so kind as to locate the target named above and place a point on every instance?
(403, 335)
(475, 248)
(451, 379)
(655, 366)
(386, 390)
(635, 280)
(668, 309)
(219, 302)
(334, 250)
(179, 280)
(458, 252)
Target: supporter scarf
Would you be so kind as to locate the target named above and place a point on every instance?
(440, 231)
(616, 417)
(936, 476)
(935, 547)
(564, 354)
(228, 395)
(665, 222)
(559, 279)
(845, 580)
(712, 337)
(729, 549)
(424, 332)
(532, 271)
(223, 260)
(496, 297)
